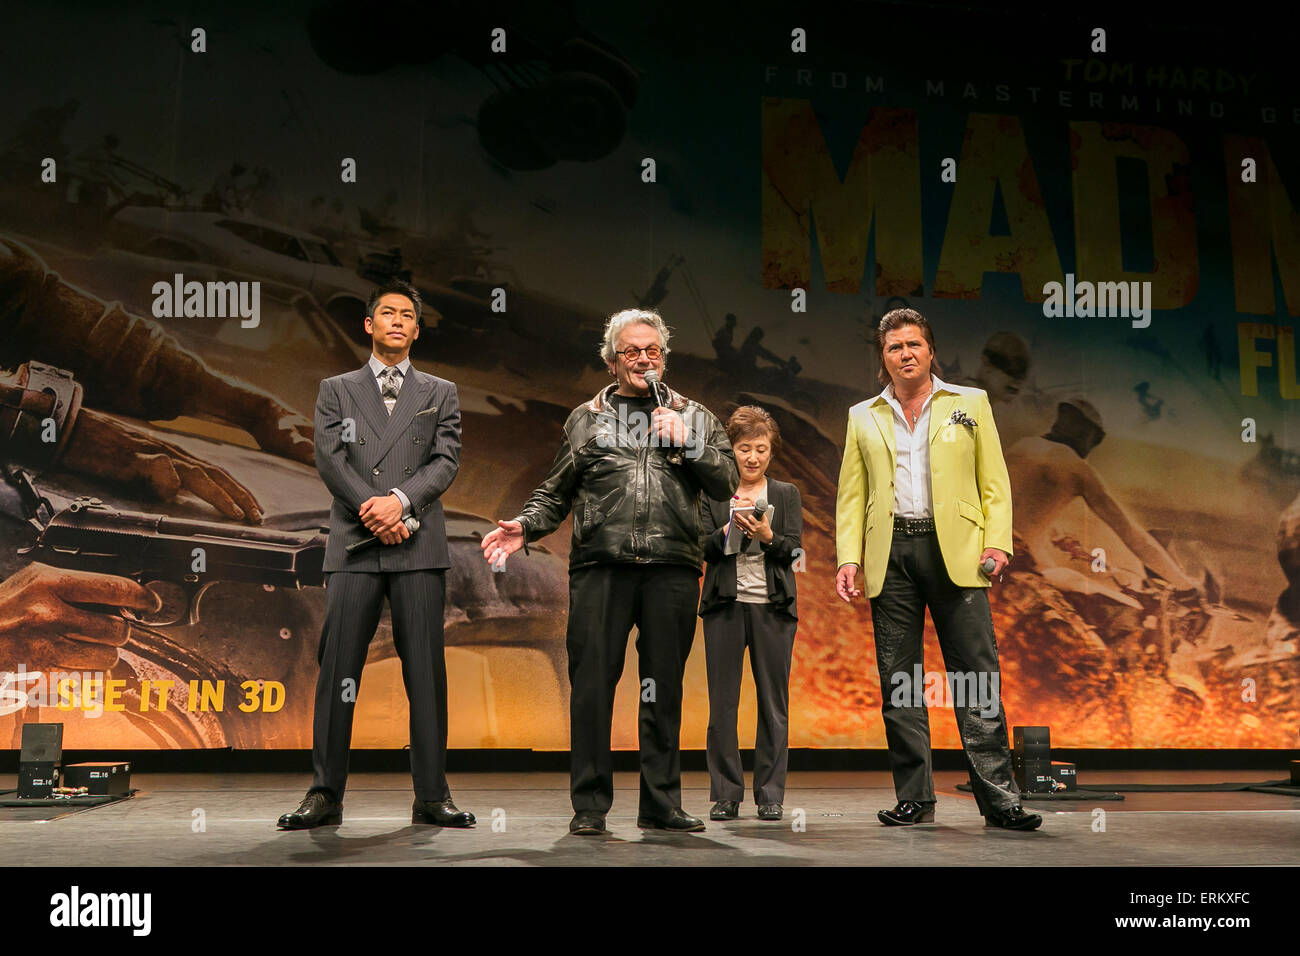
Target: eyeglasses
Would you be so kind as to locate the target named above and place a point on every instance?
(652, 352)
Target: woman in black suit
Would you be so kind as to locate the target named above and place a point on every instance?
(748, 600)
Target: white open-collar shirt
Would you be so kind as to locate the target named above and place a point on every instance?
(912, 497)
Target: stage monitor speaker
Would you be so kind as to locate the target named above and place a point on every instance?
(38, 763)
(1032, 775)
(109, 778)
(42, 743)
(1032, 742)
(37, 779)
(1065, 774)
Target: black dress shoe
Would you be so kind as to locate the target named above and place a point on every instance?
(769, 811)
(317, 809)
(588, 823)
(677, 819)
(725, 810)
(440, 813)
(1014, 818)
(907, 813)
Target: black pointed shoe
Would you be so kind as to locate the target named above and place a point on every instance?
(677, 819)
(1014, 818)
(317, 809)
(725, 810)
(770, 811)
(907, 813)
(441, 813)
(588, 823)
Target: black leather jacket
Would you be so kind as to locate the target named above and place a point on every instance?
(631, 503)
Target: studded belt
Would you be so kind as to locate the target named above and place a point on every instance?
(913, 525)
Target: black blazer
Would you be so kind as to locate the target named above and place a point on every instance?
(361, 452)
(787, 529)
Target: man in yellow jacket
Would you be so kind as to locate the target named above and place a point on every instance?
(924, 516)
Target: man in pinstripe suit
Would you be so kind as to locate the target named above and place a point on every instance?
(387, 446)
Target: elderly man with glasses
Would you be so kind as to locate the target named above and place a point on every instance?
(632, 466)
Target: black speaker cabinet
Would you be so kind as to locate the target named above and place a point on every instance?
(1065, 774)
(42, 743)
(1032, 775)
(1032, 741)
(37, 779)
(38, 764)
(100, 779)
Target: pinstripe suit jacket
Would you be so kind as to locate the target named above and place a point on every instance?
(362, 451)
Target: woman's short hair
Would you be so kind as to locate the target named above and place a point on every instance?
(897, 319)
(621, 320)
(751, 421)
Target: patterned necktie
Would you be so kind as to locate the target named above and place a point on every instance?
(390, 383)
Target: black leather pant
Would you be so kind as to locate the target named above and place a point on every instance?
(914, 579)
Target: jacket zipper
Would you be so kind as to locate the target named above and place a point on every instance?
(642, 494)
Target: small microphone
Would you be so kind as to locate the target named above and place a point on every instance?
(988, 566)
(760, 507)
(652, 379)
(675, 455)
(412, 525)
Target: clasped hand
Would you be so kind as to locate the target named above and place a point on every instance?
(382, 516)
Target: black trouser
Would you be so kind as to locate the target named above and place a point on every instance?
(769, 635)
(916, 578)
(353, 603)
(605, 602)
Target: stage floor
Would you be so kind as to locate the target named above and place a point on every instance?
(160, 826)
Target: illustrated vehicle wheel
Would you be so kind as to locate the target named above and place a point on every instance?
(504, 131)
(579, 117)
(580, 55)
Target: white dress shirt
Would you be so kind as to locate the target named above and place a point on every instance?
(377, 369)
(912, 498)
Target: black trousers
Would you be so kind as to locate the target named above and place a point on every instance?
(769, 635)
(605, 602)
(353, 604)
(914, 579)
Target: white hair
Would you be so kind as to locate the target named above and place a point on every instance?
(621, 320)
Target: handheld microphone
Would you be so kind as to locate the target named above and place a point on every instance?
(675, 455)
(412, 525)
(760, 508)
(988, 566)
(652, 379)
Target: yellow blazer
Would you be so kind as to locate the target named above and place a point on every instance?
(969, 486)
